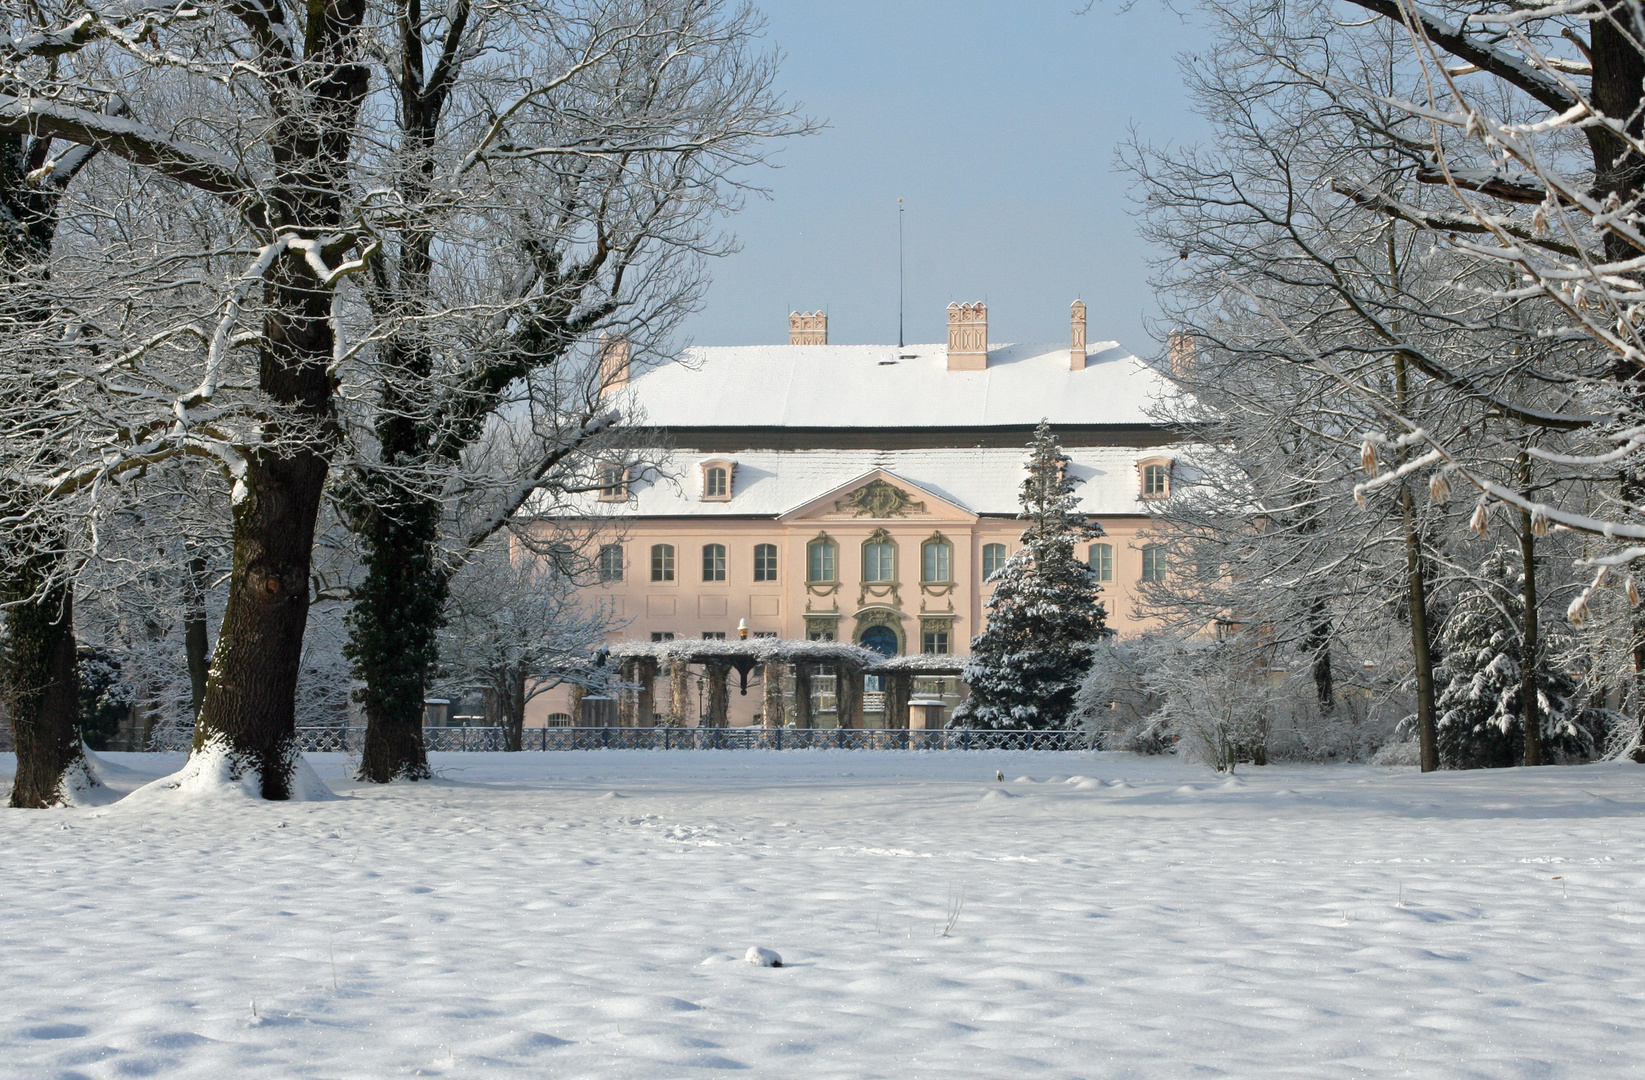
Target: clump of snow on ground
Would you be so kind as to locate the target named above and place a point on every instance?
(1327, 922)
(210, 775)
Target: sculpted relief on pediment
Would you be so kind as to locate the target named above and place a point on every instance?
(878, 499)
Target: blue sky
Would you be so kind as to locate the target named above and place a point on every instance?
(997, 122)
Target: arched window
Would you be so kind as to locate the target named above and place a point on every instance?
(611, 562)
(713, 562)
(879, 560)
(662, 562)
(765, 562)
(1102, 562)
(1153, 562)
(993, 557)
(936, 561)
(820, 561)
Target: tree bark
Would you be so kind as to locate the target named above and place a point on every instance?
(513, 713)
(848, 695)
(802, 695)
(719, 693)
(195, 647)
(1529, 647)
(1421, 653)
(679, 692)
(41, 679)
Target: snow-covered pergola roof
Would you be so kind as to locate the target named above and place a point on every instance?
(758, 650)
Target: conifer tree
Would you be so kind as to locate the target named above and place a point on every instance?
(1481, 711)
(1044, 618)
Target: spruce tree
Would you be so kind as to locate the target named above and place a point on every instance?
(1044, 618)
(1481, 715)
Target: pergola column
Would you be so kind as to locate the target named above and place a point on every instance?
(899, 686)
(626, 698)
(646, 705)
(771, 685)
(578, 692)
(679, 692)
(719, 698)
(802, 695)
(848, 694)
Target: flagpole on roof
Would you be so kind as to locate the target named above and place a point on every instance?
(899, 274)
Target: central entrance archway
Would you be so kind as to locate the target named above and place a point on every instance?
(882, 639)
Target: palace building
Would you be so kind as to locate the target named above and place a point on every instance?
(865, 493)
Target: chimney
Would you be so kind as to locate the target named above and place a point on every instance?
(968, 337)
(1181, 353)
(614, 355)
(807, 328)
(1076, 339)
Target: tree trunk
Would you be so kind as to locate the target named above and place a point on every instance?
(1529, 648)
(1421, 653)
(195, 647)
(41, 680)
(514, 713)
(848, 695)
(1320, 640)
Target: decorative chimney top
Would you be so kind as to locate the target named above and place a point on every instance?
(614, 357)
(1076, 339)
(1181, 353)
(807, 328)
(968, 337)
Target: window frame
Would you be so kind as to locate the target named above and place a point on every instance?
(1146, 472)
(1102, 568)
(609, 573)
(614, 478)
(714, 572)
(879, 540)
(765, 573)
(1154, 563)
(1005, 554)
(707, 470)
(937, 543)
(823, 542)
(663, 563)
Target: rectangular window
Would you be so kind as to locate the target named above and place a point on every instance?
(879, 562)
(1153, 562)
(1102, 562)
(765, 562)
(661, 635)
(611, 562)
(662, 562)
(764, 633)
(935, 564)
(713, 562)
(819, 561)
(713, 635)
(715, 483)
(1156, 481)
(613, 482)
(934, 640)
(993, 557)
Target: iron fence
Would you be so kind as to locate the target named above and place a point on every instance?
(705, 738)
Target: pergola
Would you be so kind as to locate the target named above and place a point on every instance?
(640, 663)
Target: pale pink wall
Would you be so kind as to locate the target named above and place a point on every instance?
(688, 605)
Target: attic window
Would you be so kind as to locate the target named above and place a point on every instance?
(717, 477)
(1155, 475)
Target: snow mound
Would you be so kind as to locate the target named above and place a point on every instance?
(1025, 780)
(762, 957)
(209, 776)
(996, 795)
(1076, 779)
(613, 795)
(1087, 784)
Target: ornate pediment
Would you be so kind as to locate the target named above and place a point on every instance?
(878, 499)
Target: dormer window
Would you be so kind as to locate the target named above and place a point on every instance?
(1155, 477)
(717, 480)
(613, 482)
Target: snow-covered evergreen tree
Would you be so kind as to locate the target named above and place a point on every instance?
(1481, 713)
(1044, 618)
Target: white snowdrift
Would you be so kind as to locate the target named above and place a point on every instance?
(209, 776)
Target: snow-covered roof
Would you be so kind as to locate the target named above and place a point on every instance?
(884, 386)
(982, 480)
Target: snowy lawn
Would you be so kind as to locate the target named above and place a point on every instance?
(587, 914)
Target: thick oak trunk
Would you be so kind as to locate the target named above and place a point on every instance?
(42, 696)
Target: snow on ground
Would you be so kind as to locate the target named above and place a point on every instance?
(587, 915)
